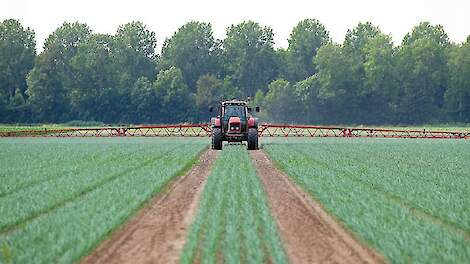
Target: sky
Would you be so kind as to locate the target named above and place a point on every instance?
(394, 17)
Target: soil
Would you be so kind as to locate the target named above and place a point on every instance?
(308, 233)
(157, 233)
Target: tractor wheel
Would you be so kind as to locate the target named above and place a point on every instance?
(252, 138)
(216, 138)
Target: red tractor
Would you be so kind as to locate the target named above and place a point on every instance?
(234, 123)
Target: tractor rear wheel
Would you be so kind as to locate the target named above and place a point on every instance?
(216, 138)
(252, 138)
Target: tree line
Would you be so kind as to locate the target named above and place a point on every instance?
(121, 78)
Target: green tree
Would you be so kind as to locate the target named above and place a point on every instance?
(230, 88)
(194, 50)
(177, 101)
(50, 80)
(380, 80)
(146, 104)
(306, 38)
(92, 94)
(17, 53)
(281, 102)
(250, 57)
(423, 71)
(361, 46)
(3, 107)
(309, 104)
(378, 64)
(354, 46)
(357, 38)
(457, 96)
(134, 54)
(336, 89)
(109, 78)
(209, 92)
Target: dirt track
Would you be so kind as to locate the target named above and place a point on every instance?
(157, 233)
(308, 233)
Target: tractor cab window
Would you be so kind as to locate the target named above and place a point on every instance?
(234, 110)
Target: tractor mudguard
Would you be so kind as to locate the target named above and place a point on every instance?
(252, 122)
(215, 121)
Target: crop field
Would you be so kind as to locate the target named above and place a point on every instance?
(409, 199)
(284, 140)
(233, 223)
(442, 127)
(405, 200)
(6, 128)
(60, 197)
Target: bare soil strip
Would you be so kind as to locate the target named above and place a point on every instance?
(157, 233)
(308, 233)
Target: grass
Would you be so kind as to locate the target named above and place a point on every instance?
(406, 198)
(433, 127)
(70, 124)
(61, 197)
(436, 127)
(12, 128)
(233, 223)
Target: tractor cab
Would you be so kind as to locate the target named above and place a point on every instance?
(235, 117)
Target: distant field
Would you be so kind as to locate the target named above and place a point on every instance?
(443, 127)
(427, 127)
(407, 198)
(16, 127)
(60, 197)
(4, 128)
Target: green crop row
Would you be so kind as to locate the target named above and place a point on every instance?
(233, 223)
(32, 130)
(26, 162)
(406, 198)
(64, 217)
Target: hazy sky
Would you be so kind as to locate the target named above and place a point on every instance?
(395, 17)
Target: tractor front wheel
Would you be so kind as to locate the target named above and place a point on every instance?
(252, 138)
(216, 138)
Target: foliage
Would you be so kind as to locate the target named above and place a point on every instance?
(250, 57)
(194, 50)
(176, 100)
(145, 101)
(457, 96)
(17, 53)
(50, 79)
(108, 78)
(81, 123)
(92, 93)
(93, 187)
(335, 83)
(210, 90)
(306, 38)
(423, 72)
(135, 53)
(89, 76)
(394, 194)
(233, 222)
(280, 101)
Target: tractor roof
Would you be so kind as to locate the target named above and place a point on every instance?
(234, 102)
